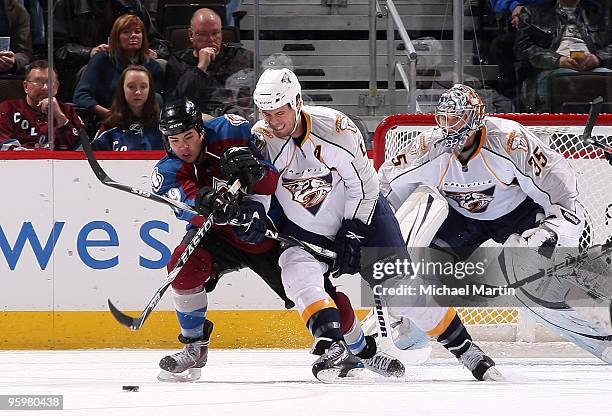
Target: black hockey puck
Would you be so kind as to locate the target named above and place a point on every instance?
(130, 388)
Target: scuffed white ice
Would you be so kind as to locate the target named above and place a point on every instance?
(280, 382)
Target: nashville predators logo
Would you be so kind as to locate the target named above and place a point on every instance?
(310, 192)
(516, 141)
(344, 123)
(474, 201)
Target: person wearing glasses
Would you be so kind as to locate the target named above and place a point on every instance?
(23, 122)
(200, 71)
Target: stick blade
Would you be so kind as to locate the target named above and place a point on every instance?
(123, 319)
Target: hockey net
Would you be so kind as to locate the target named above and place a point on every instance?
(562, 133)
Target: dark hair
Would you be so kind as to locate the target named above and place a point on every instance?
(122, 22)
(39, 64)
(121, 114)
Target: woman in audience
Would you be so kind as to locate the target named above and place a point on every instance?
(128, 45)
(133, 123)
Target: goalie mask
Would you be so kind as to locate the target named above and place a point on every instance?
(460, 111)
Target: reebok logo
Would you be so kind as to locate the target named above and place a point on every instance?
(570, 217)
(354, 236)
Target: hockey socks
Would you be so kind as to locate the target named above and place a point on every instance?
(350, 325)
(325, 324)
(455, 337)
(191, 311)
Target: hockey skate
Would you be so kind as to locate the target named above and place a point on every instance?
(380, 362)
(337, 363)
(481, 365)
(186, 365)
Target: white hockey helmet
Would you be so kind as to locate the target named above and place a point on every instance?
(459, 112)
(277, 87)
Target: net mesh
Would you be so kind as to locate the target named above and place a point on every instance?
(593, 173)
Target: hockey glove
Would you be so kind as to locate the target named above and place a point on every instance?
(223, 206)
(561, 228)
(240, 163)
(252, 219)
(347, 245)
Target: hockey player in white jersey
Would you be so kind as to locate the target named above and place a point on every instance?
(329, 192)
(499, 180)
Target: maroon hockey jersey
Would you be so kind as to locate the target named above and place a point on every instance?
(25, 126)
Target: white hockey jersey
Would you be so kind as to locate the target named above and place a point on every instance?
(509, 165)
(325, 178)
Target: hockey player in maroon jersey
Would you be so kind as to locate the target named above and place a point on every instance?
(202, 160)
(23, 122)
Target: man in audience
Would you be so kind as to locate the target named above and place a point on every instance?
(201, 71)
(15, 24)
(23, 122)
(501, 51)
(79, 36)
(566, 37)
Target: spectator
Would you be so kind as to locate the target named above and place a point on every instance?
(23, 122)
(200, 71)
(501, 51)
(277, 61)
(232, 6)
(133, 123)
(38, 25)
(81, 30)
(568, 37)
(240, 87)
(512, 8)
(128, 45)
(15, 23)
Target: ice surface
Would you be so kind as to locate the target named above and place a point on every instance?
(280, 382)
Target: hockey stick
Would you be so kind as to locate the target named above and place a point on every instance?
(588, 129)
(137, 323)
(108, 181)
(594, 111)
(592, 253)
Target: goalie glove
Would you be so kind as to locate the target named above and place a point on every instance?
(223, 206)
(561, 228)
(348, 243)
(252, 222)
(240, 163)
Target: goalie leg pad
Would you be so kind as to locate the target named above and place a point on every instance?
(421, 216)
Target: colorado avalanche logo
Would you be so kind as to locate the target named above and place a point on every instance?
(474, 201)
(310, 192)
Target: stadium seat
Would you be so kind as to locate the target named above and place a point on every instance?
(11, 88)
(573, 93)
(177, 13)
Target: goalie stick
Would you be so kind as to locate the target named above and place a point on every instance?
(586, 137)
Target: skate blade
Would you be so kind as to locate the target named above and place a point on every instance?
(387, 374)
(493, 374)
(355, 375)
(188, 376)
